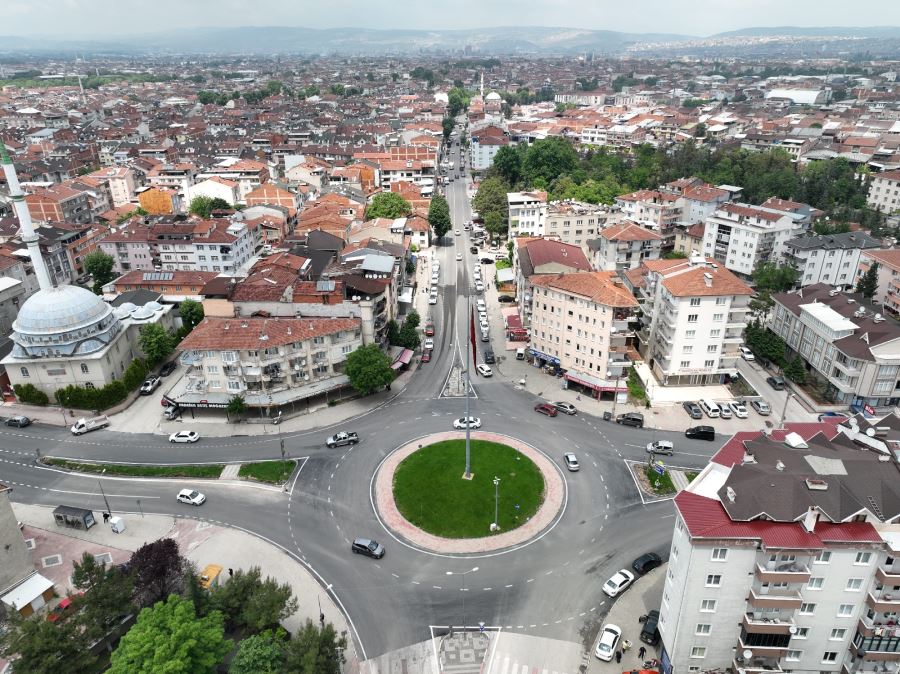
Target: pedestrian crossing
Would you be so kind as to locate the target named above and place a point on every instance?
(505, 664)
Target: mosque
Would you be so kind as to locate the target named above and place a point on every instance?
(66, 334)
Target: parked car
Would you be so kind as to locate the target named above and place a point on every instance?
(568, 408)
(184, 436)
(747, 354)
(168, 368)
(608, 643)
(571, 461)
(150, 385)
(693, 409)
(761, 407)
(64, 609)
(479, 287)
(473, 250)
(635, 419)
(737, 409)
(836, 416)
(546, 408)
(506, 299)
(489, 357)
(725, 411)
(367, 547)
(650, 630)
(191, 497)
(701, 433)
(484, 370)
(429, 329)
(19, 421)
(429, 343)
(461, 423)
(487, 260)
(776, 383)
(426, 356)
(661, 447)
(646, 562)
(459, 257)
(618, 583)
(432, 299)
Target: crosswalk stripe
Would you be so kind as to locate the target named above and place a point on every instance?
(505, 665)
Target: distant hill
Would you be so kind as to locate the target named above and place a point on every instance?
(818, 31)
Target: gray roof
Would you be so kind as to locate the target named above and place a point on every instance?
(845, 241)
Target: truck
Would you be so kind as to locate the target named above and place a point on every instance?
(341, 439)
(86, 424)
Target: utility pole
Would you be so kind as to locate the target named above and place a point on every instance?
(468, 473)
(105, 500)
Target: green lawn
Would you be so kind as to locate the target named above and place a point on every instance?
(213, 470)
(661, 484)
(431, 493)
(273, 472)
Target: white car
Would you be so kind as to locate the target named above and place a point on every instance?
(459, 257)
(429, 343)
(608, 642)
(739, 410)
(435, 266)
(479, 287)
(618, 583)
(747, 354)
(184, 436)
(484, 370)
(724, 411)
(191, 497)
(484, 327)
(432, 299)
(481, 305)
(571, 461)
(474, 422)
(456, 232)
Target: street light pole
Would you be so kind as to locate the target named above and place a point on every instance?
(496, 502)
(784, 409)
(615, 391)
(463, 588)
(468, 331)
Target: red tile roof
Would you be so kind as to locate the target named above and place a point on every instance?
(235, 334)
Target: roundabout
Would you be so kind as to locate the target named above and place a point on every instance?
(423, 500)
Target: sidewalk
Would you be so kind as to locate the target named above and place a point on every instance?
(55, 549)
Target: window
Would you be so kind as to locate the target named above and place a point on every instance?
(708, 606)
(793, 655)
(229, 356)
(712, 348)
(713, 580)
(709, 363)
(692, 318)
(802, 633)
(715, 333)
(685, 363)
(838, 634)
(807, 608)
(703, 628)
(823, 557)
(695, 301)
(719, 554)
(84, 368)
(845, 611)
(720, 301)
(830, 656)
(687, 349)
(717, 318)
(863, 558)
(815, 583)
(689, 334)
(234, 385)
(24, 371)
(212, 369)
(854, 584)
(698, 652)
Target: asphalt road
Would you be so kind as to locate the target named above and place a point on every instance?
(550, 587)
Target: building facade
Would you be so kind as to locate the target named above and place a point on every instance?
(888, 290)
(527, 213)
(828, 258)
(884, 192)
(740, 237)
(577, 222)
(624, 246)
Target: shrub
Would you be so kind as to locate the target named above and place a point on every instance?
(30, 394)
(135, 374)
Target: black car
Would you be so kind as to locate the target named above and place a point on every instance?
(18, 421)
(487, 260)
(635, 419)
(776, 383)
(693, 409)
(506, 299)
(701, 433)
(368, 547)
(474, 250)
(646, 562)
(650, 631)
(489, 357)
(168, 368)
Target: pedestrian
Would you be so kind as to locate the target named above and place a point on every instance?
(230, 572)
(618, 656)
(105, 518)
(642, 652)
(626, 645)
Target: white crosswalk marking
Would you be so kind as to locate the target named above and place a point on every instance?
(505, 666)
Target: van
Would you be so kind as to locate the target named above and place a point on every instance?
(520, 354)
(712, 410)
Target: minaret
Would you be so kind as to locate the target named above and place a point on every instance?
(28, 235)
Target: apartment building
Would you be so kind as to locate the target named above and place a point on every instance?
(884, 192)
(174, 286)
(527, 213)
(828, 258)
(695, 312)
(581, 323)
(577, 222)
(484, 146)
(740, 236)
(179, 177)
(888, 291)
(624, 246)
(271, 362)
(542, 256)
(58, 203)
(121, 182)
(247, 174)
(657, 211)
(783, 556)
(844, 341)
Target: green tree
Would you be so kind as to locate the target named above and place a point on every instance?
(393, 333)
(30, 394)
(546, 159)
(773, 278)
(413, 318)
(439, 216)
(191, 313)
(369, 369)
(107, 595)
(315, 650)
(42, 647)
(169, 637)
(868, 282)
(247, 600)
(457, 101)
(99, 265)
(409, 338)
(675, 255)
(447, 125)
(203, 206)
(491, 198)
(795, 371)
(237, 406)
(156, 342)
(495, 223)
(388, 205)
(507, 163)
(261, 653)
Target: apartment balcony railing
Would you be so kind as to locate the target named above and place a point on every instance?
(883, 602)
(888, 575)
(768, 623)
(789, 599)
(756, 665)
(788, 572)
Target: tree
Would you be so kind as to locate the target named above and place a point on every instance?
(248, 601)
(439, 216)
(169, 637)
(107, 595)
(99, 265)
(158, 570)
(261, 653)
(447, 125)
(409, 338)
(236, 406)
(770, 277)
(413, 318)
(795, 371)
(546, 159)
(495, 223)
(203, 206)
(393, 333)
(315, 650)
(156, 342)
(42, 647)
(675, 255)
(491, 198)
(369, 369)
(388, 205)
(457, 101)
(868, 282)
(191, 313)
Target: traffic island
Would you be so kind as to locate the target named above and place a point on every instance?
(421, 495)
(657, 481)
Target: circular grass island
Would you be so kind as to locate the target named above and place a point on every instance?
(430, 491)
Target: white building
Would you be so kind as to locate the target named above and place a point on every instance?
(884, 192)
(624, 246)
(215, 188)
(527, 213)
(483, 149)
(828, 258)
(783, 556)
(695, 312)
(577, 222)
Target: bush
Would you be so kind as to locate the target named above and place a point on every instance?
(82, 398)
(30, 394)
(135, 374)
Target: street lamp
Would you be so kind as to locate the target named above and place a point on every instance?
(784, 409)
(615, 390)
(463, 588)
(495, 526)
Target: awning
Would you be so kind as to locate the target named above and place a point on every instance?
(26, 592)
(406, 295)
(592, 382)
(403, 359)
(513, 322)
(544, 356)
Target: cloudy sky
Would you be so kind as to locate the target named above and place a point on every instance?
(77, 18)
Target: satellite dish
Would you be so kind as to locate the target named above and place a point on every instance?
(747, 654)
(870, 432)
(792, 629)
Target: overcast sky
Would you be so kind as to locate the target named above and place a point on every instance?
(695, 17)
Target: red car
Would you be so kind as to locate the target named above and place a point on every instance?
(426, 356)
(429, 329)
(546, 408)
(62, 610)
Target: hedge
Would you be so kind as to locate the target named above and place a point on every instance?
(30, 394)
(82, 398)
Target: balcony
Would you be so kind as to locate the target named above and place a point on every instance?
(787, 599)
(849, 369)
(883, 602)
(756, 664)
(778, 623)
(888, 575)
(765, 644)
(878, 625)
(787, 572)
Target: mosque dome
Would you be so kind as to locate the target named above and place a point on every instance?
(493, 96)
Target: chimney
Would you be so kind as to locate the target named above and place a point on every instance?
(707, 277)
(809, 521)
